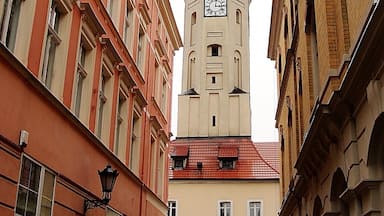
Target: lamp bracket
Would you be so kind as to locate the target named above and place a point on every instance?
(90, 204)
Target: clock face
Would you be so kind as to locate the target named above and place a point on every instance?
(215, 8)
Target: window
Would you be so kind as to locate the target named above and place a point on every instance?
(227, 163)
(225, 209)
(35, 190)
(52, 41)
(135, 143)
(164, 92)
(214, 121)
(254, 208)
(80, 77)
(160, 168)
(153, 163)
(238, 70)
(238, 17)
(110, 5)
(172, 208)
(213, 80)
(214, 50)
(128, 25)
(141, 50)
(121, 125)
(193, 18)
(179, 163)
(104, 79)
(9, 21)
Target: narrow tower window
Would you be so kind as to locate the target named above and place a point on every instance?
(214, 121)
(215, 51)
(213, 80)
(193, 18)
(238, 17)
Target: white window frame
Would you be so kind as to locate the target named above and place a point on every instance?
(135, 139)
(249, 206)
(43, 170)
(80, 76)
(128, 24)
(121, 120)
(141, 49)
(175, 209)
(52, 36)
(106, 75)
(6, 19)
(219, 207)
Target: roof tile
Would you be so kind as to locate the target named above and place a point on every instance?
(251, 164)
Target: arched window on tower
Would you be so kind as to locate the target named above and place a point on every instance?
(238, 16)
(191, 68)
(237, 70)
(238, 27)
(193, 18)
(214, 50)
(193, 30)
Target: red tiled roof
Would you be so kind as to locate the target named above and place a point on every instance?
(270, 152)
(250, 163)
(180, 151)
(228, 152)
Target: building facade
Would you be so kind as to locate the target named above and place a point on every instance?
(329, 65)
(85, 84)
(215, 168)
(223, 177)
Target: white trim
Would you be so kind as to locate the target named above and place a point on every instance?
(261, 206)
(176, 208)
(43, 170)
(222, 201)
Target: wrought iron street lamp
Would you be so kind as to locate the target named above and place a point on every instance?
(107, 178)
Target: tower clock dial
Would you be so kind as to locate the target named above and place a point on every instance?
(215, 8)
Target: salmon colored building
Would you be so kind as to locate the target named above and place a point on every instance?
(84, 84)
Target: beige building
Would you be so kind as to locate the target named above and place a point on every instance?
(223, 177)
(215, 168)
(329, 60)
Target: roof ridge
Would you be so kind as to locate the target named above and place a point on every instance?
(262, 158)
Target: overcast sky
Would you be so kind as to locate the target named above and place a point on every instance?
(263, 77)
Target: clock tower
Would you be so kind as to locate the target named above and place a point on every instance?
(215, 97)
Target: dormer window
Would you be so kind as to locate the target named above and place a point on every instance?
(227, 163)
(179, 163)
(227, 157)
(179, 156)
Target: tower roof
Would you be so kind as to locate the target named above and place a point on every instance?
(253, 161)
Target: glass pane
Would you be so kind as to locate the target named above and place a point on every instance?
(34, 179)
(252, 211)
(21, 200)
(49, 181)
(46, 206)
(31, 204)
(25, 170)
(13, 23)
